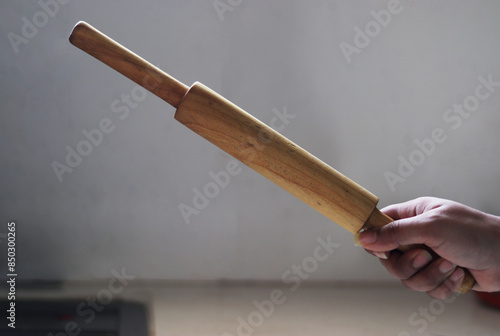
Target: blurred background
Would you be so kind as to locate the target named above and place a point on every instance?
(360, 83)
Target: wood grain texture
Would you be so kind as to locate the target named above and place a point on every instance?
(106, 50)
(275, 157)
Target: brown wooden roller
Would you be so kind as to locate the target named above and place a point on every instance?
(247, 139)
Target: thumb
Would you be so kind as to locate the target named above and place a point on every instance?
(402, 232)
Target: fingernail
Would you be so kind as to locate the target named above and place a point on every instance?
(422, 259)
(457, 275)
(446, 266)
(367, 237)
(381, 255)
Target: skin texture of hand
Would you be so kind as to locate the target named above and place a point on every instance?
(457, 235)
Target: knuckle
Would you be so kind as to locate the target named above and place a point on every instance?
(410, 284)
(442, 292)
(397, 266)
(419, 284)
(394, 232)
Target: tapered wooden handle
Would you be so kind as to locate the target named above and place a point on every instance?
(378, 219)
(95, 43)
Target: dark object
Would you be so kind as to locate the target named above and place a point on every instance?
(490, 299)
(75, 317)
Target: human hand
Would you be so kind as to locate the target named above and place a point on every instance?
(462, 237)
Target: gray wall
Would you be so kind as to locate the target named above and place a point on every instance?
(119, 207)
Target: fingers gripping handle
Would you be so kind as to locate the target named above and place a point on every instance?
(379, 219)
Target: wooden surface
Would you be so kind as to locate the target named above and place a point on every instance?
(360, 309)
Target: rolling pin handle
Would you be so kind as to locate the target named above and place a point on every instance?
(377, 219)
(129, 64)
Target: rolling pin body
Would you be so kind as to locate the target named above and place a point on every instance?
(275, 157)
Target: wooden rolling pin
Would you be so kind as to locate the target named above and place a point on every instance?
(247, 139)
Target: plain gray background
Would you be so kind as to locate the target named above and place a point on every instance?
(119, 207)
